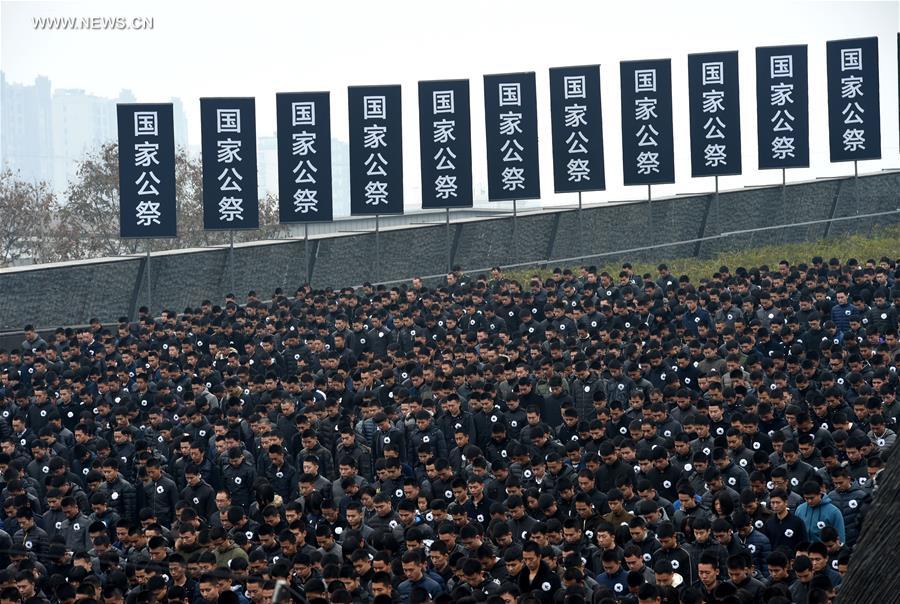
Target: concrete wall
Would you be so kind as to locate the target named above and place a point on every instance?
(73, 293)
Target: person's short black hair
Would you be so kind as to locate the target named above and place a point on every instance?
(412, 557)
(709, 557)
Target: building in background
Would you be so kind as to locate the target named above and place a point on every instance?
(340, 177)
(181, 125)
(44, 133)
(81, 123)
(26, 128)
(267, 165)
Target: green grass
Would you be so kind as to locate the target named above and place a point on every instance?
(885, 241)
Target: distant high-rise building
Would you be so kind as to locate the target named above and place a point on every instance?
(180, 123)
(44, 133)
(267, 165)
(26, 128)
(81, 124)
(340, 177)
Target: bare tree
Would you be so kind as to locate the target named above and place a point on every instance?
(189, 193)
(27, 211)
(90, 218)
(90, 215)
(268, 222)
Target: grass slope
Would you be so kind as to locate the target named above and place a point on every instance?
(883, 242)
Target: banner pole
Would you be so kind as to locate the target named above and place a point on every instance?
(718, 225)
(449, 250)
(783, 206)
(149, 292)
(306, 252)
(580, 229)
(377, 248)
(231, 260)
(856, 184)
(515, 242)
(649, 212)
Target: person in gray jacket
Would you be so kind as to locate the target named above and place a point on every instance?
(851, 501)
(75, 527)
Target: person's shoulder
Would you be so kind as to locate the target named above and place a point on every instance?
(431, 582)
(829, 504)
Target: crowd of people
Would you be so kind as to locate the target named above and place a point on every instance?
(584, 438)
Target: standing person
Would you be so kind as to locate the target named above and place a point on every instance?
(708, 577)
(238, 477)
(537, 578)
(817, 512)
(784, 530)
(852, 502)
(414, 569)
(120, 494)
(160, 493)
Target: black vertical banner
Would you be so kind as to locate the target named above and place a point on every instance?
(648, 153)
(782, 107)
(146, 171)
(376, 150)
(510, 120)
(445, 143)
(304, 157)
(228, 133)
(714, 100)
(577, 124)
(854, 111)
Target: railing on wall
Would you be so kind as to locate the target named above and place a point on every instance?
(74, 292)
(725, 236)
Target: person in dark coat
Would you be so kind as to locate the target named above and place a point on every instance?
(537, 578)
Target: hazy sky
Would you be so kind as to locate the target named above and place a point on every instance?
(224, 48)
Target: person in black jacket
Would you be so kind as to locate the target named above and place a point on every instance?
(426, 433)
(537, 578)
(784, 530)
(198, 493)
(613, 467)
(238, 477)
(160, 493)
(121, 494)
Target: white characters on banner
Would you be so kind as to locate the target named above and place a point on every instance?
(513, 174)
(578, 168)
(228, 156)
(146, 126)
(374, 139)
(715, 153)
(303, 148)
(443, 103)
(645, 107)
(854, 135)
(781, 106)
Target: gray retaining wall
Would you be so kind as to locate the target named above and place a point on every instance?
(73, 293)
